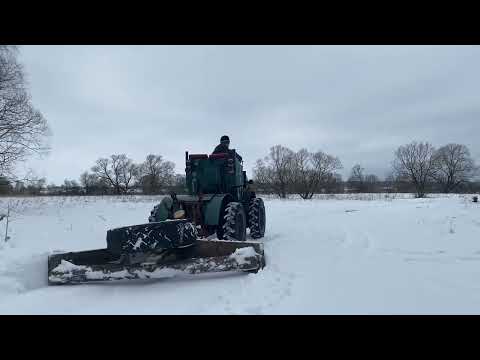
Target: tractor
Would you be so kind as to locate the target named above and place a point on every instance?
(220, 198)
(202, 231)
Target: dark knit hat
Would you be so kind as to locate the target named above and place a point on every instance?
(224, 138)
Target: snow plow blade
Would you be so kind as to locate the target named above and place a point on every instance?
(204, 256)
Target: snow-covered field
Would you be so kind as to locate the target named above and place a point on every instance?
(333, 255)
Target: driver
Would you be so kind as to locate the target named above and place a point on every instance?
(223, 146)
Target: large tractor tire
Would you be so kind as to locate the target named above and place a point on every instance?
(256, 218)
(234, 226)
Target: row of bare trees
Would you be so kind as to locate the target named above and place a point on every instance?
(118, 174)
(421, 164)
(417, 167)
(305, 173)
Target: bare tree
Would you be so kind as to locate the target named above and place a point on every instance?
(109, 173)
(357, 179)
(88, 182)
(304, 180)
(455, 166)
(304, 173)
(262, 177)
(276, 170)
(129, 172)
(23, 129)
(155, 172)
(312, 170)
(118, 171)
(333, 183)
(11, 71)
(418, 163)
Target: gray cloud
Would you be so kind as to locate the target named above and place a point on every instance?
(356, 102)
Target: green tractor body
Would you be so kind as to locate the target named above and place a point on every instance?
(220, 198)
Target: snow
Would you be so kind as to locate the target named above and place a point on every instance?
(157, 274)
(66, 266)
(241, 255)
(348, 254)
(138, 244)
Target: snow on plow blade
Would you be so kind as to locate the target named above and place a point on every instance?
(204, 256)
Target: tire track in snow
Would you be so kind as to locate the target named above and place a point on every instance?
(359, 241)
(257, 293)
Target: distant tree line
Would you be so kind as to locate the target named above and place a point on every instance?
(118, 174)
(115, 175)
(417, 168)
(21, 187)
(283, 172)
(427, 169)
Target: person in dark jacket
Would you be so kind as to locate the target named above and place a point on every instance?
(223, 146)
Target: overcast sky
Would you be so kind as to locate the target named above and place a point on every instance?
(356, 102)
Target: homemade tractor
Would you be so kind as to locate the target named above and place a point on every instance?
(204, 231)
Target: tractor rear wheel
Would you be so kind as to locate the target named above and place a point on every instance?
(256, 218)
(235, 223)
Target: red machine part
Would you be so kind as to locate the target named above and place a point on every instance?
(198, 156)
(219, 156)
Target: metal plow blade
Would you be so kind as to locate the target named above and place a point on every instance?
(205, 256)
